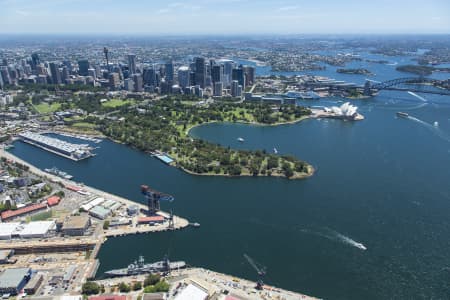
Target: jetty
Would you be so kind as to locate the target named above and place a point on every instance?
(65, 149)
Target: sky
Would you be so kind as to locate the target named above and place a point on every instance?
(221, 17)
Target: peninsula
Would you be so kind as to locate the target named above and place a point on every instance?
(359, 71)
(163, 127)
(421, 70)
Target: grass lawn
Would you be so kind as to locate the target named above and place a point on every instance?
(42, 216)
(45, 108)
(83, 125)
(117, 102)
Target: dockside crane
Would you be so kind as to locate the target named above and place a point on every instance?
(260, 269)
(154, 197)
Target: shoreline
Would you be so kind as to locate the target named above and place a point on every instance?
(277, 175)
(311, 169)
(302, 118)
(89, 189)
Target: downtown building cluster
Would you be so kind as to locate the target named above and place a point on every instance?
(200, 77)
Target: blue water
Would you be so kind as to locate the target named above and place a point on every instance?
(382, 182)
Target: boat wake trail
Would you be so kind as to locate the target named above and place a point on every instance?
(434, 129)
(417, 96)
(334, 236)
(349, 241)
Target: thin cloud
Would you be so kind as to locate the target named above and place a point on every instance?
(288, 8)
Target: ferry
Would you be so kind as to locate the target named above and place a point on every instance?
(402, 114)
(240, 139)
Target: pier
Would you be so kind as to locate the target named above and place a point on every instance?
(68, 150)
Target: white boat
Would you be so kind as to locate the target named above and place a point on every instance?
(275, 150)
(240, 139)
(360, 246)
(436, 124)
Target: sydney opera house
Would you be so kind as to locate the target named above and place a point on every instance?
(346, 111)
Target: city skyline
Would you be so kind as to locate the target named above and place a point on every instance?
(223, 17)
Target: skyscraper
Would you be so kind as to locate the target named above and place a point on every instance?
(234, 88)
(64, 74)
(34, 61)
(169, 71)
(216, 73)
(249, 73)
(131, 63)
(238, 74)
(114, 80)
(83, 67)
(227, 70)
(5, 74)
(218, 87)
(149, 75)
(183, 76)
(138, 82)
(55, 73)
(200, 71)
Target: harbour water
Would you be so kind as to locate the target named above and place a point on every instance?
(381, 183)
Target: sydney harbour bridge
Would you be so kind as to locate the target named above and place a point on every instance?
(412, 84)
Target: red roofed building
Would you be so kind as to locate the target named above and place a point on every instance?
(151, 219)
(108, 297)
(10, 214)
(53, 200)
(73, 188)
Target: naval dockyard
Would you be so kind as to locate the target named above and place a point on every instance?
(52, 240)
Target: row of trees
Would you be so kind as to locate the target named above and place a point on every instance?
(153, 283)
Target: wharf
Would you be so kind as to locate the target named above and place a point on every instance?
(214, 284)
(71, 151)
(47, 246)
(179, 222)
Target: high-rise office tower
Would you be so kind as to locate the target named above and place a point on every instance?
(218, 88)
(228, 66)
(131, 64)
(138, 82)
(234, 88)
(114, 80)
(149, 75)
(200, 71)
(216, 73)
(129, 84)
(5, 75)
(54, 72)
(238, 74)
(64, 74)
(249, 73)
(183, 76)
(169, 71)
(83, 67)
(34, 60)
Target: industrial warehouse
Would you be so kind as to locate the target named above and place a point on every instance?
(37, 229)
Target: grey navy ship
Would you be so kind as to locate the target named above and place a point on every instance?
(140, 267)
